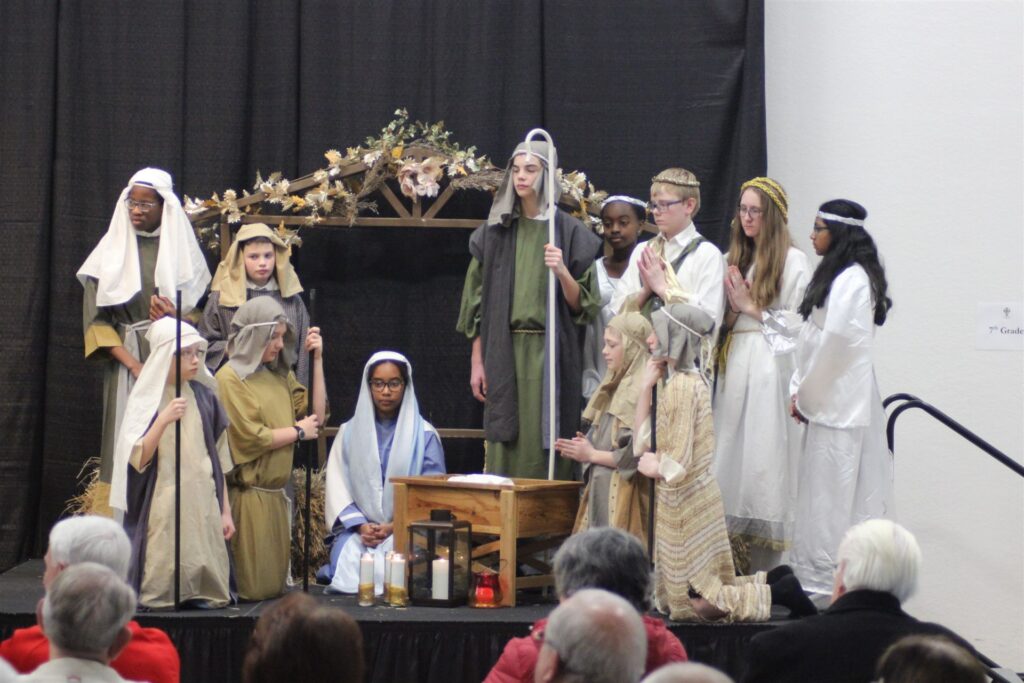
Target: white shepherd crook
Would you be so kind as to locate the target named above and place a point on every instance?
(552, 323)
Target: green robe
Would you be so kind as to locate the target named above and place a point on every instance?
(525, 457)
(103, 331)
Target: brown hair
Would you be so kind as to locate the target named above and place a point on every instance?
(767, 252)
(923, 659)
(296, 639)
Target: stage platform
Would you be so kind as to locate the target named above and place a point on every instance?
(410, 645)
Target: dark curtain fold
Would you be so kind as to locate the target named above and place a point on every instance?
(214, 92)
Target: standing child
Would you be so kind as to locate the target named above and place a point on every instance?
(622, 218)
(678, 265)
(258, 263)
(758, 446)
(144, 480)
(148, 252)
(264, 401)
(846, 469)
(504, 313)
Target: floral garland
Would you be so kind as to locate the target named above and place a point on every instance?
(337, 193)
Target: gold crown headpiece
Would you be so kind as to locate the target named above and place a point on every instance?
(774, 192)
(671, 180)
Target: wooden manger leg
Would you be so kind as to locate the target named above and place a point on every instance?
(507, 548)
(401, 520)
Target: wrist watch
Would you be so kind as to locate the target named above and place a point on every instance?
(300, 433)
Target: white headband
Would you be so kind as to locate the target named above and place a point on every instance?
(681, 323)
(840, 219)
(624, 198)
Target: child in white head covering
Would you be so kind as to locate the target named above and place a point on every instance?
(385, 438)
(144, 474)
(148, 253)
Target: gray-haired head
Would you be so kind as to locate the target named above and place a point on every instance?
(605, 558)
(879, 555)
(85, 610)
(598, 637)
(687, 672)
(88, 538)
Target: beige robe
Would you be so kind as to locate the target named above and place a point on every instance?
(205, 569)
(691, 543)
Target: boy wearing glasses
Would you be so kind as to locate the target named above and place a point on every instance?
(678, 265)
(148, 252)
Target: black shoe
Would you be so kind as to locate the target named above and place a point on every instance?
(788, 592)
(779, 572)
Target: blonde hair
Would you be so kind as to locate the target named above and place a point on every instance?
(678, 182)
(768, 251)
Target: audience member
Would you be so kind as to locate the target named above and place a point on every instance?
(149, 656)
(594, 636)
(85, 617)
(605, 558)
(687, 672)
(923, 659)
(296, 639)
(879, 562)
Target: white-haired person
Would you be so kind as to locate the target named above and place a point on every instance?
(606, 558)
(687, 672)
(149, 656)
(148, 252)
(85, 617)
(593, 637)
(879, 565)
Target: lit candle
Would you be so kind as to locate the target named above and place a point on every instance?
(366, 569)
(387, 573)
(366, 580)
(439, 585)
(398, 571)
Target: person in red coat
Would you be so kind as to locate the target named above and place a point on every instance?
(149, 656)
(605, 558)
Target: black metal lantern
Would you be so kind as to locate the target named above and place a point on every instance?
(439, 560)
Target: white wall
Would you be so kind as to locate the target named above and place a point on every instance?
(916, 110)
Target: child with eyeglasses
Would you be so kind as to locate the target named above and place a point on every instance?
(385, 438)
(677, 265)
(129, 280)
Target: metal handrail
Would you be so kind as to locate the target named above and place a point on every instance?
(911, 401)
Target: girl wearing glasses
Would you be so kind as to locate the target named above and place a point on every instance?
(144, 481)
(845, 474)
(758, 446)
(148, 252)
(385, 438)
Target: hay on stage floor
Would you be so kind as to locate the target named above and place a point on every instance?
(317, 527)
(95, 496)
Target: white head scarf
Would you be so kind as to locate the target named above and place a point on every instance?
(144, 400)
(180, 263)
(504, 208)
(353, 467)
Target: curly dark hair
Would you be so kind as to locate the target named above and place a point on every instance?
(850, 244)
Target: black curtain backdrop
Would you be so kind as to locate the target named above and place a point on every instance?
(213, 92)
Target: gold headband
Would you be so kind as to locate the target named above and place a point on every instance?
(774, 192)
(661, 178)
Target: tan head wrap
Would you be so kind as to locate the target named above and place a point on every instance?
(619, 390)
(230, 279)
(251, 331)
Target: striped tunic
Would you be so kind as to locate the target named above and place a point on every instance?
(692, 548)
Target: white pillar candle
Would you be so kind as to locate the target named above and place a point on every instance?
(366, 569)
(398, 571)
(439, 585)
